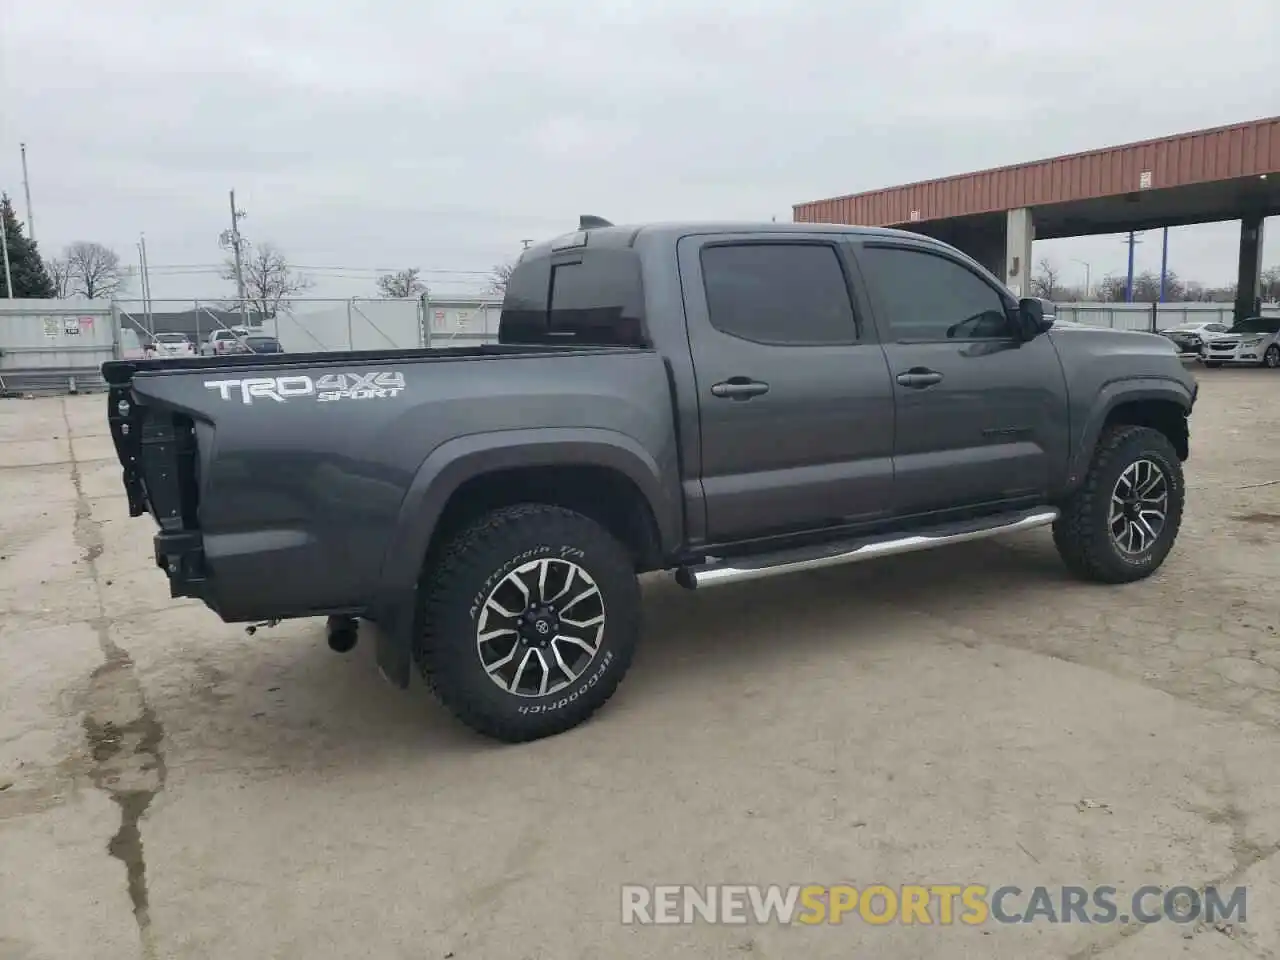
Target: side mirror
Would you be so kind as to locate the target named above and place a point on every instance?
(1037, 315)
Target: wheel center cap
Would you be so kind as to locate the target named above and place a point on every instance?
(539, 626)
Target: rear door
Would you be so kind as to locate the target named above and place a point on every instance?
(981, 414)
(794, 397)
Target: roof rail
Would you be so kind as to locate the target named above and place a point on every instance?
(587, 222)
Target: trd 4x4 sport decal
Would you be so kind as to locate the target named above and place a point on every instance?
(375, 385)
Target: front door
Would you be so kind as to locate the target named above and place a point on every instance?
(981, 414)
(794, 397)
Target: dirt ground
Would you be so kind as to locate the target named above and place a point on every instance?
(173, 788)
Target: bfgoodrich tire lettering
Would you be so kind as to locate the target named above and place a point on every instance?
(1086, 532)
(522, 556)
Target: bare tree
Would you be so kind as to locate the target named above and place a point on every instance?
(1110, 290)
(1271, 283)
(499, 276)
(93, 270)
(1045, 282)
(269, 280)
(60, 273)
(1146, 287)
(401, 284)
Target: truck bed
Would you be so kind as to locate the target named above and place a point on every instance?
(284, 484)
(122, 371)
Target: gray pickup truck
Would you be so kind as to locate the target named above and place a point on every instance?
(724, 401)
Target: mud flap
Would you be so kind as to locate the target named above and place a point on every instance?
(393, 641)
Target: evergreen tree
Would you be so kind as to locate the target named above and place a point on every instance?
(30, 279)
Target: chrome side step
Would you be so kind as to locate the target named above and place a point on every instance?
(737, 570)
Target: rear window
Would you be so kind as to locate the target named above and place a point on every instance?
(171, 338)
(586, 297)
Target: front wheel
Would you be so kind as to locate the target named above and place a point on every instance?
(1271, 358)
(531, 618)
(1122, 522)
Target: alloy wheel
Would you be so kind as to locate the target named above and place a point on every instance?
(540, 627)
(1139, 507)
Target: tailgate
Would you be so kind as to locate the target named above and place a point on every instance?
(157, 450)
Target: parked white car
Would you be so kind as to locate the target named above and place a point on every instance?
(165, 345)
(1255, 341)
(1190, 337)
(224, 341)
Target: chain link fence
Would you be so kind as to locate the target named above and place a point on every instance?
(1150, 316)
(311, 324)
(60, 345)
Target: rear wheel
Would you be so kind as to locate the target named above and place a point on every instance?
(531, 618)
(1122, 522)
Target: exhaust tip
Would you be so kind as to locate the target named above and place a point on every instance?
(342, 633)
(686, 578)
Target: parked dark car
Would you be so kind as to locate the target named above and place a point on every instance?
(725, 401)
(260, 343)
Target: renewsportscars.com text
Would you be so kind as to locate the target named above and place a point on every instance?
(935, 904)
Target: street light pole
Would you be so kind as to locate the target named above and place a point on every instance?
(1087, 285)
(26, 188)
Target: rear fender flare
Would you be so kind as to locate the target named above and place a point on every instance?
(455, 462)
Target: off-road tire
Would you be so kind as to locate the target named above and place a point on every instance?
(455, 588)
(1271, 358)
(1082, 533)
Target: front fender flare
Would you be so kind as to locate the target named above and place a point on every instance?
(455, 462)
(1113, 394)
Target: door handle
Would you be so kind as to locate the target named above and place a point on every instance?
(739, 388)
(919, 378)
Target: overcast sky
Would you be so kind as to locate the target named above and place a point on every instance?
(385, 134)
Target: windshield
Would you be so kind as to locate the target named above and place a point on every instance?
(1258, 325)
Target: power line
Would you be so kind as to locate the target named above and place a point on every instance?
(215, 267)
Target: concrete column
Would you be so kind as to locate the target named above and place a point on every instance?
(1017, 251)
(1249, 277)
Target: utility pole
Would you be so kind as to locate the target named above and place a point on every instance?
(4, 245)
(1164, 262)
(1128, 284)
(146, 280)
(237, 244)
(526, 243)
(26, 188)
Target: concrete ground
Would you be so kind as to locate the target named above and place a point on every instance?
(173, 788)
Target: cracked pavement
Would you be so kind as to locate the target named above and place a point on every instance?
(173, 788)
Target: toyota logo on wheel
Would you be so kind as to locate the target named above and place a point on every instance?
(543, 627)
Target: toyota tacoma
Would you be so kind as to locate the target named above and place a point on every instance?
(723, 401)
